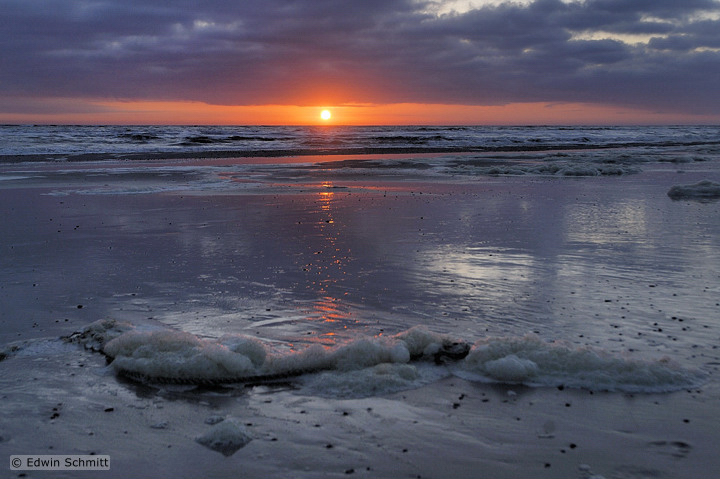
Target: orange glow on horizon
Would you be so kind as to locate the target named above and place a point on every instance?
(197, 113)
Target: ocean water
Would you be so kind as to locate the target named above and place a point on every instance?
(354, 258)
(66, 142)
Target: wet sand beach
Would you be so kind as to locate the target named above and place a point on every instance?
(313, 255)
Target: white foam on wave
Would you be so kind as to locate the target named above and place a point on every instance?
(380, 365)
(534, 362)
(13, 177)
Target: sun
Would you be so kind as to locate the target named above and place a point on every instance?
(325, 115)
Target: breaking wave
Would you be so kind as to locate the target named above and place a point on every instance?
(99, 143)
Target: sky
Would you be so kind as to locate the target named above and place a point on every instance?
(367, 61)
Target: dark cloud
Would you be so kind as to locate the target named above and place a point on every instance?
(367, 51)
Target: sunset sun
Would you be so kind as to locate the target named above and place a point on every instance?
(325, 115)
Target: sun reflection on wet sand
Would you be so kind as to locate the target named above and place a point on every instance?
(329, 312)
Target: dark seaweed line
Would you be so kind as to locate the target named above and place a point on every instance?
(196, 381)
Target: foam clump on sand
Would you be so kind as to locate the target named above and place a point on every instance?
(531, 361)
(227, 437)
(176, 356)
(420, 342)
(705, 189)
(375, 365)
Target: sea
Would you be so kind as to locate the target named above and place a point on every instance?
(386, 256)
(77, 143)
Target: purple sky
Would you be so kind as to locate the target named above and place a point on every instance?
(659, 55)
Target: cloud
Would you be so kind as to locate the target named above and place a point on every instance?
(652, 54)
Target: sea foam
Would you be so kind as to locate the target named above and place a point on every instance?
(227, 437)
(178, 357)
(558, 169)
(378, 365)
(531, 361)
(705, 189)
